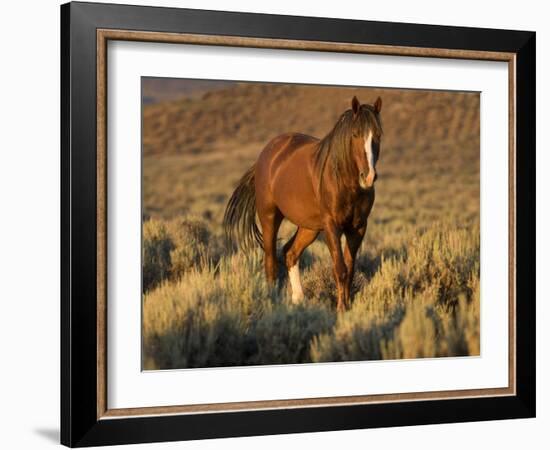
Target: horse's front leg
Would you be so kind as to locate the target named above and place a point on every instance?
(333, 234)
(354, 237)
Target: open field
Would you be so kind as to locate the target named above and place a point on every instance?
(417, 279)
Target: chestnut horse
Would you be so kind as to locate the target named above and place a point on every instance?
(318, 185)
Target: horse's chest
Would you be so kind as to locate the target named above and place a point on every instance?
(354, 210)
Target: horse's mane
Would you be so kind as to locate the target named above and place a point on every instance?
(335, 149)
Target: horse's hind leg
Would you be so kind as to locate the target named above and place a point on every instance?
(270, 221)
(293, 249)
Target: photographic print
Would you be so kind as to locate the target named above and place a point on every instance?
(290, 223)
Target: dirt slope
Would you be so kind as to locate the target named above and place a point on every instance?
(254, 113)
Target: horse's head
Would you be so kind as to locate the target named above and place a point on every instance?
(365, 140)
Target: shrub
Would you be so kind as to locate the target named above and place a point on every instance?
(156, 259)
(192, 245)
(461, 327)
(355, 337)
(241, 278)
(189, 324)
(284, 335)
(417, 334)
(172, 248)
(444, 258)
(318, 282)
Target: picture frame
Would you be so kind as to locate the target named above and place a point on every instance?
(86, 29)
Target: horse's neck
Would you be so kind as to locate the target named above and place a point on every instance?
(338, 181)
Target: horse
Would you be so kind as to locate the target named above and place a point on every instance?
(318, 185)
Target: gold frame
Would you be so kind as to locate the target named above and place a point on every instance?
(103, 36)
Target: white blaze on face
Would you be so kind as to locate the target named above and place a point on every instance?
(370, 159)
(294, 276)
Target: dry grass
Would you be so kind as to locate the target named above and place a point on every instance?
(417, 280)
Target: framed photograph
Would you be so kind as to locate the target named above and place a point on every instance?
(276, 224)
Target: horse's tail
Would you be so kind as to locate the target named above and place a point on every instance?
(239, 220)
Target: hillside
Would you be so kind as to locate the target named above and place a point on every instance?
(254, 113)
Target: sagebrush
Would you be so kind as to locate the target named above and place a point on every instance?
(217, 310)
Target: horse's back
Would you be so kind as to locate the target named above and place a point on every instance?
(286, 144)
(289, 149)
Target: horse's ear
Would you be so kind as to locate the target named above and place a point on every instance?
(355, 105)
(378, 105)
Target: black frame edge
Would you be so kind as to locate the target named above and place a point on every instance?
(79, 230)
(260, 25)
(525, 223)
(65, 434)
(79, 425)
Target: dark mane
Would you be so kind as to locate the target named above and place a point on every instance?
(334, 148)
